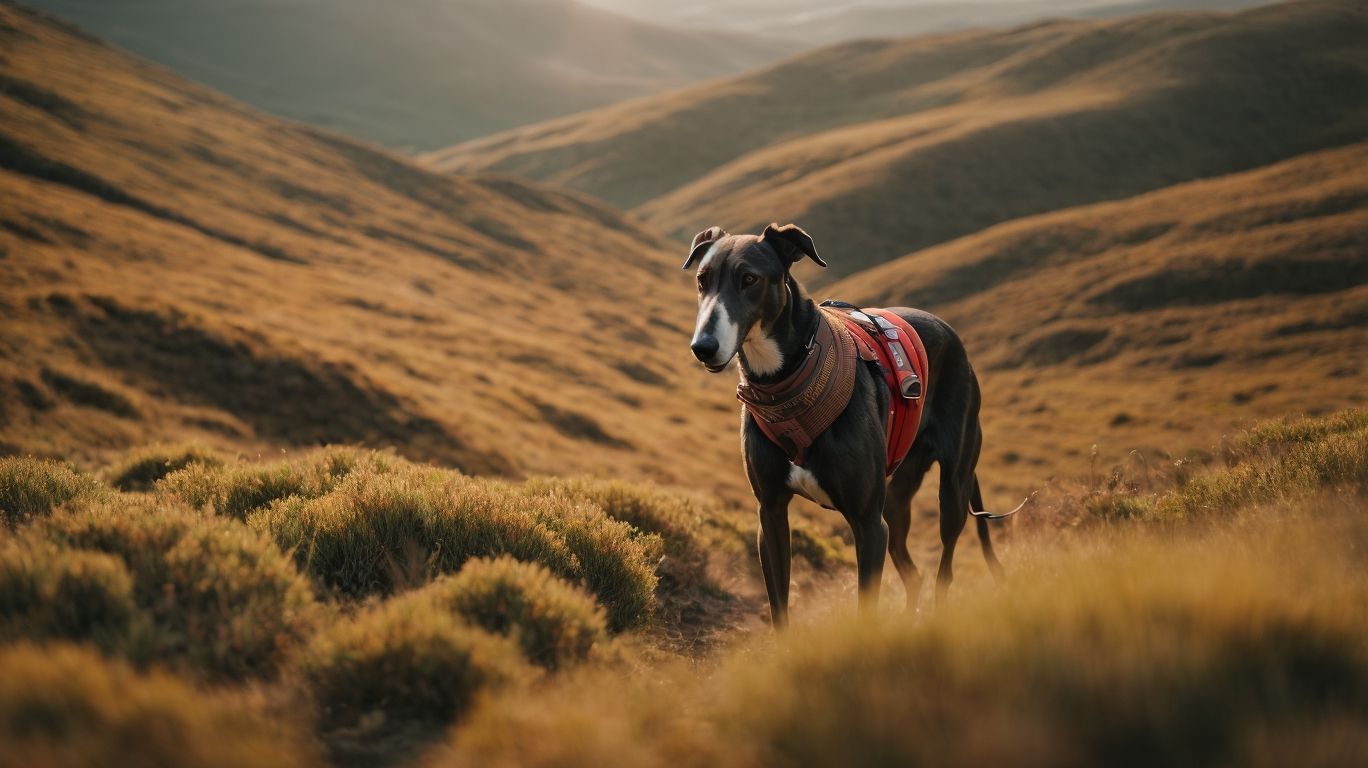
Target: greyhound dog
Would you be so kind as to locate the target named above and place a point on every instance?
(750, 305)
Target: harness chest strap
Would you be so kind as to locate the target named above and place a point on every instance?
(794, 412)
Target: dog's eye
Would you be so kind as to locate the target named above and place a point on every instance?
(748, 280)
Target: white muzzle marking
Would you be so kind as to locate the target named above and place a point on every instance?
(713, 316)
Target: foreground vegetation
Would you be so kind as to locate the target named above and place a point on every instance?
(348, 606)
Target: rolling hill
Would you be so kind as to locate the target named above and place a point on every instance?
(417, 73)
(174, 265)
(817, 22)
(1170, 313)
(884, 147)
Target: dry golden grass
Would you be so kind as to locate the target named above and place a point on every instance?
(63, 707)
(880, 147)
(1240, 639)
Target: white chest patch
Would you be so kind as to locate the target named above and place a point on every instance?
(805, 484)
(762, 354)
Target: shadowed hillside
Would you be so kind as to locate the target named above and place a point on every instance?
(417, 73)
(890, 146)
(1154, 321)
(818, 22)
(174, 265)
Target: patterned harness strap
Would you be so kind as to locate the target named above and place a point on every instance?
(794, 412)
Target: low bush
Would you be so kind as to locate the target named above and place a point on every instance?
(1277, 435)
(686, 529)
(65, 707)
(236, 490)
(32, 488)
(401, 663)
(615, 563)
(233, 490)
(220, 600)
(50, 592)
(141, 468)
(1328, 460)
(377, 533)
(554, 623)
(675, 518)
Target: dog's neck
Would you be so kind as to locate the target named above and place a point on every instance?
(775, 352)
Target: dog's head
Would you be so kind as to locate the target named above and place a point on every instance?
(743, 280)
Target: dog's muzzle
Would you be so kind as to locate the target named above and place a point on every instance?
(705, 350)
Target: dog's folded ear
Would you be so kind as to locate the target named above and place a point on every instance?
(792, 243)
(701, 242)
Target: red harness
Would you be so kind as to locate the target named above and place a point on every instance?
(902, 360)
(794, 412)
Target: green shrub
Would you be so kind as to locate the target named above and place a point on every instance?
(1276, 435)
(379, 532)
(62, 707)
(402, 662)
(673, 517)
(616, 565)
(233, 490)
(1117, 506)
(679, 522)
(51, 592)
(140, 468)
(554, 623)
(32, 488)
(237, 490)
(221, 600)
(1327, 460)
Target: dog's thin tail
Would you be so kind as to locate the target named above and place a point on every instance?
(981, 519)
(976, 507)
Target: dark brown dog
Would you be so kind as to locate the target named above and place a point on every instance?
(749, 305)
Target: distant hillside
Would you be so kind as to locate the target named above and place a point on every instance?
(882, 147)
(176, 266)
(822, 22)
(417, 73)
(1167, 313)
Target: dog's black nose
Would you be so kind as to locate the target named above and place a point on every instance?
(704, 348)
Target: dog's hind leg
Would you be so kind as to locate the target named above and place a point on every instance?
(985, 539)
(954, 512)
(775, 556)
(956, 488)
(898, 514)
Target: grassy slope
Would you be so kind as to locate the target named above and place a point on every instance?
(1155, 322)
(417, 73)
(1228, 636)
(881, 147)
(174, 265)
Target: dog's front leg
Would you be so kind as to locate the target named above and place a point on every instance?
(871, 542)
(775, 555)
